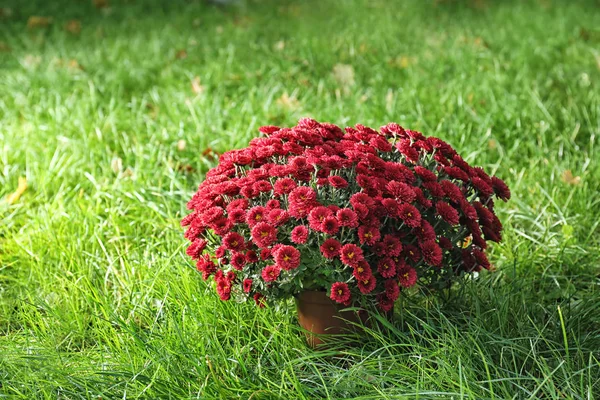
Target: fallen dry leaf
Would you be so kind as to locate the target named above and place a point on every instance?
(73, 26)
(6, 12)
(153, 110)
(344, 74)
(181, 54)
(116, 164)
(31, 61)
(38, 22)
(196, 86)
(181, 145)
(279, 46)
(568, 178)
(16, 195)
(389, 100)
(402, 62)
(210, 153)
(288, 102)
(74, 65)
(186, 168)
(100, 3)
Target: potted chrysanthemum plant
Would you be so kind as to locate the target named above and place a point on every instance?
(340, 218)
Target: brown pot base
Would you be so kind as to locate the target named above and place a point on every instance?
(320, 317)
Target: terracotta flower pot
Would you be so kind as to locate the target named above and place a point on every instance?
(319, 315)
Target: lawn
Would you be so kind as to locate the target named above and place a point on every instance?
(114, 114)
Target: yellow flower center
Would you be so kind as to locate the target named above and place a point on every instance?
(350, 255)
(286, 258)
(264, 234)
(340, 291)
(360, 269)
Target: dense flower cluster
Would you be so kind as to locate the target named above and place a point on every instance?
(362, 214)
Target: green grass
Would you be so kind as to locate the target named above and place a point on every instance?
(97, 298)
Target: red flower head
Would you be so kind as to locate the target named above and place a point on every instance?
(384, 303)
(303, 196)
(224, 289)
(338, 182)
(411, 252)
(270, 273)
(392, 291)
(255, 215)
(247, 285)
(299, 234)
(259, 300)
(287, 257)
(346, 217)
(447, 212)
(284, 186)
(401, 191)
(368, 235)
(317, 216)
(432, 253)
(392, 246)
(500, 188)
(273, 204)
(351, 254)
(409, 215)
(362, 271)
(263, 234)
(330, 248)
(340, 293)
(330, 226)
(386, 267)
(367, 285)
(407, 276)
(195, 249)
(238, 260)
(251, 256)
(233, 241)
(278, 217)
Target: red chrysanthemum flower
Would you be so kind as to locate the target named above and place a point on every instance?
(287, 257)
(284, 186)
(259, 300)
(386, 267)
(407, 276)
(500, 188)
(362, 271)
(238, 260)
(263, 234)
(247, 285)
(432, 253)
(330, 248)
(251, 257)
(401, 191)
(392, 246)
(411, 252)
(340, 292)
(224, 289)
(330, 226)
(392, 290)
(425, 232)
(409, 215)
(255, 215)
(368, 235)
(278, 217)
(233, 241)
(195, 249)
(425, 174)
(346, 217)
(337, 182)
(299, 234)
(367, 285)
(270, 273)
(384, 303)
(303, 196)
(351, 254)
(317, 216)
